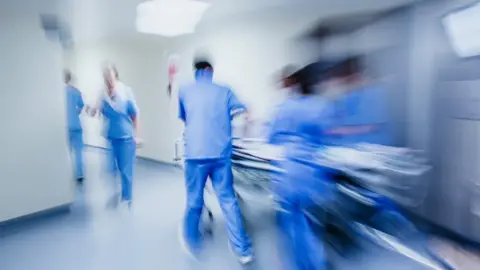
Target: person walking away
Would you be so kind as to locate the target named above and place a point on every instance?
(75, 107)
(207, 110)
(299, 128)
(119, 108)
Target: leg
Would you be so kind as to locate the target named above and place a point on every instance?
(196, 174)
(286, 224)
(77, 146)
(222, 181)
(302, 249)
(125, 156)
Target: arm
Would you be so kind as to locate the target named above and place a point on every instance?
(279, 128)
(352, 130)
(80, 105)
(132, 110)
(96, 108)
(369, 117)
(237, 108)
(181, 108)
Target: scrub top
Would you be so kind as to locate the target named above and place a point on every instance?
(74, 107)
(366, 105)
(207, 110)
(119, 110)
(300, 125)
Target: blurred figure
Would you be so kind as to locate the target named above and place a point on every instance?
(299, 127)
(360, 107)
(75, 132)
(119, 108)
(207, 110)
(288, 80)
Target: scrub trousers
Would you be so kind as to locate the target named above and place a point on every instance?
(298, 191)
(220, 173)
(122, 159)
(75, 139)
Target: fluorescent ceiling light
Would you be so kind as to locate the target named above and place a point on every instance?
(169, 17)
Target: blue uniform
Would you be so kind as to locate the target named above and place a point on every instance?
(363, 106)
(119, 110)
(299, 128)
(207, 108)
(75, 133)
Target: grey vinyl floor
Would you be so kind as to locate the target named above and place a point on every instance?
(91, 236)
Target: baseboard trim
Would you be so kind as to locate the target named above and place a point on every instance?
(10, 225)
(435, 229)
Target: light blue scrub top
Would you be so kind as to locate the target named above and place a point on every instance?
(119, 111)
(74, 108)
(206, 108)
(300, 125)
(363, 106)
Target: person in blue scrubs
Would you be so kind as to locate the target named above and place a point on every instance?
(119, 108)
(299, 128)
(361, 110)
(75, 132)
(207, 110)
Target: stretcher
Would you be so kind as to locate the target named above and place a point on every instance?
(371, 185)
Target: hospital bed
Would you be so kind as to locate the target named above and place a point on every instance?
(371, 184)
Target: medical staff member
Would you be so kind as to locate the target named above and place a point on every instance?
(119, 108)
(299, 128)
(360, 108)
(207, 110)
(75, 132)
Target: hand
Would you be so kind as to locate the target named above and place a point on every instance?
(138, 142)
(90, 111)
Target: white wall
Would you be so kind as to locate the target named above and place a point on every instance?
(35, 172)
(246, 57)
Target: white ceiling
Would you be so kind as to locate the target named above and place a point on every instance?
(94, 19)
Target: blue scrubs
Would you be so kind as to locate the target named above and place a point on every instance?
(119, 111)
(299, 128)
(364, 106)
(75, 133)
(206, 108)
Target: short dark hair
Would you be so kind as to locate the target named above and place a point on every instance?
(305, 80)
(202, 64)
(67, 75)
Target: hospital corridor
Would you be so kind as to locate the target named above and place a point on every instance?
(222, 134)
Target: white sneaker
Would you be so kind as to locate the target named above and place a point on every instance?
(183, 244)
(243, 260)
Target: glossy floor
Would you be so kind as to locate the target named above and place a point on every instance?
(93, 237)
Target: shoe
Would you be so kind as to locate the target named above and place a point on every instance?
(187, 249)
(80, 180)
(127, 204)
(114, 201)
(243, 260)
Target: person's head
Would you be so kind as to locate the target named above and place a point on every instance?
(67, 76)
(203, 68)
(305, 81)
(109, 77)
(286, 76)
